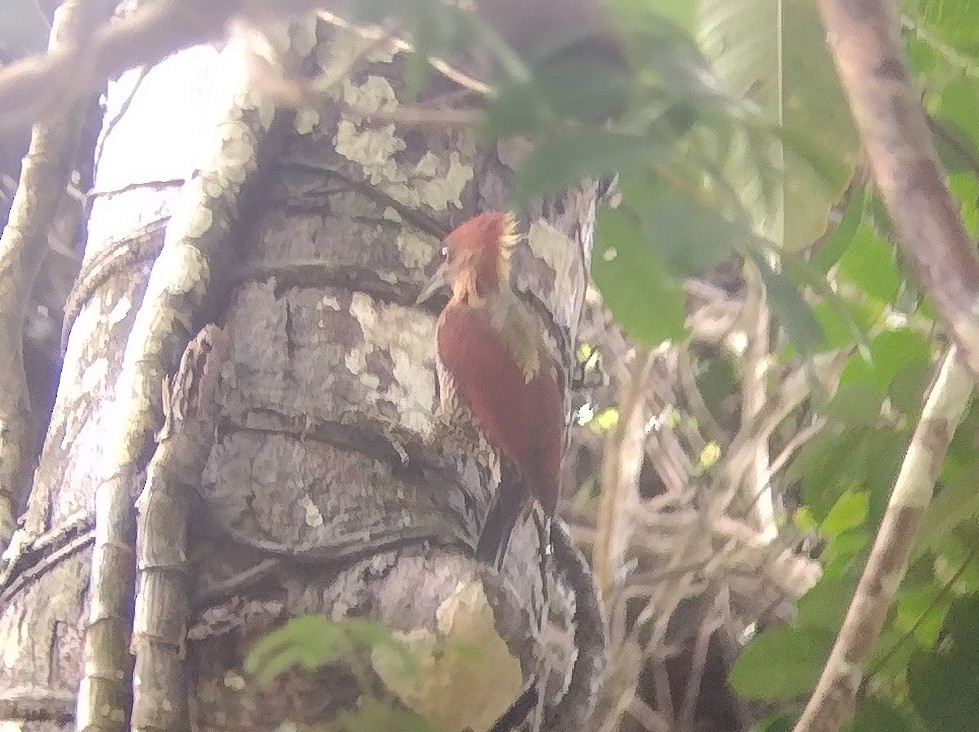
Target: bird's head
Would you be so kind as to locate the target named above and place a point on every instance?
(477, 257)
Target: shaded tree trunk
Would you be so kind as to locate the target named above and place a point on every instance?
(328, 488)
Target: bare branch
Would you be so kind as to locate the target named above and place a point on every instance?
(865, 42)
(623, 460)
(156, 30)
(832, 703)
(753, 483)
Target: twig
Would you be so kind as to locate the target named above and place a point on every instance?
(109, 127)
(799, 439)
(450, 72)
(650, 719)
(21, 556)
(23, 247)
(865, 41)
(832, 703)
(620, 476)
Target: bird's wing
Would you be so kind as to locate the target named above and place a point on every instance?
(487, 378)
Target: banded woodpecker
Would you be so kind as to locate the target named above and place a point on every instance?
(496, 373)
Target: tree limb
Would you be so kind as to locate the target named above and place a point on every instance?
(832, 703)
(156, 30)
(864, 39)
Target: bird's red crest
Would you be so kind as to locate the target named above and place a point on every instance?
(492, 232)
(481, 248)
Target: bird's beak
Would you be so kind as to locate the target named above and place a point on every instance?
(439, 281)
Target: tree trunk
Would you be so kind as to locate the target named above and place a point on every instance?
(328, 488)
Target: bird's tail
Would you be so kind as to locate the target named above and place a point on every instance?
(495, 537)
(509, 505)
(512, 504)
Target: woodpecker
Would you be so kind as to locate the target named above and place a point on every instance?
(496, 373)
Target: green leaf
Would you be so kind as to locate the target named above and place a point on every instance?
(965, 187)
(679, 67)
(886, 448)
(682, 15)
(907, 388)
(690, 239)
(580, 88)
(955, 149)
(773, 53)
(371, 716)
(781, 722)
(846, 554)
(837, 331)
(822, 465)
(922, 609)
(789, 309)
(838, 313)
(945, 23)
(825, 605)
(856, 404)
(869, 264)
(644, 299)
(849, 512)
(876, 714)
(798, 654)
(716, 382)
(943, 684)
(310, 642)
(854, 459)
(890, 352)
(568, 158)
(832, 249)
(313, 641)
(958, 501)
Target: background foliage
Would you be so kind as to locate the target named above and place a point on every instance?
(735, 162)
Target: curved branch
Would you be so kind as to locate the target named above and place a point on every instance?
(864, 38)
(151, 33)
(833, 701)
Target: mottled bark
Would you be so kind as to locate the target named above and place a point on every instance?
(325, 490)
